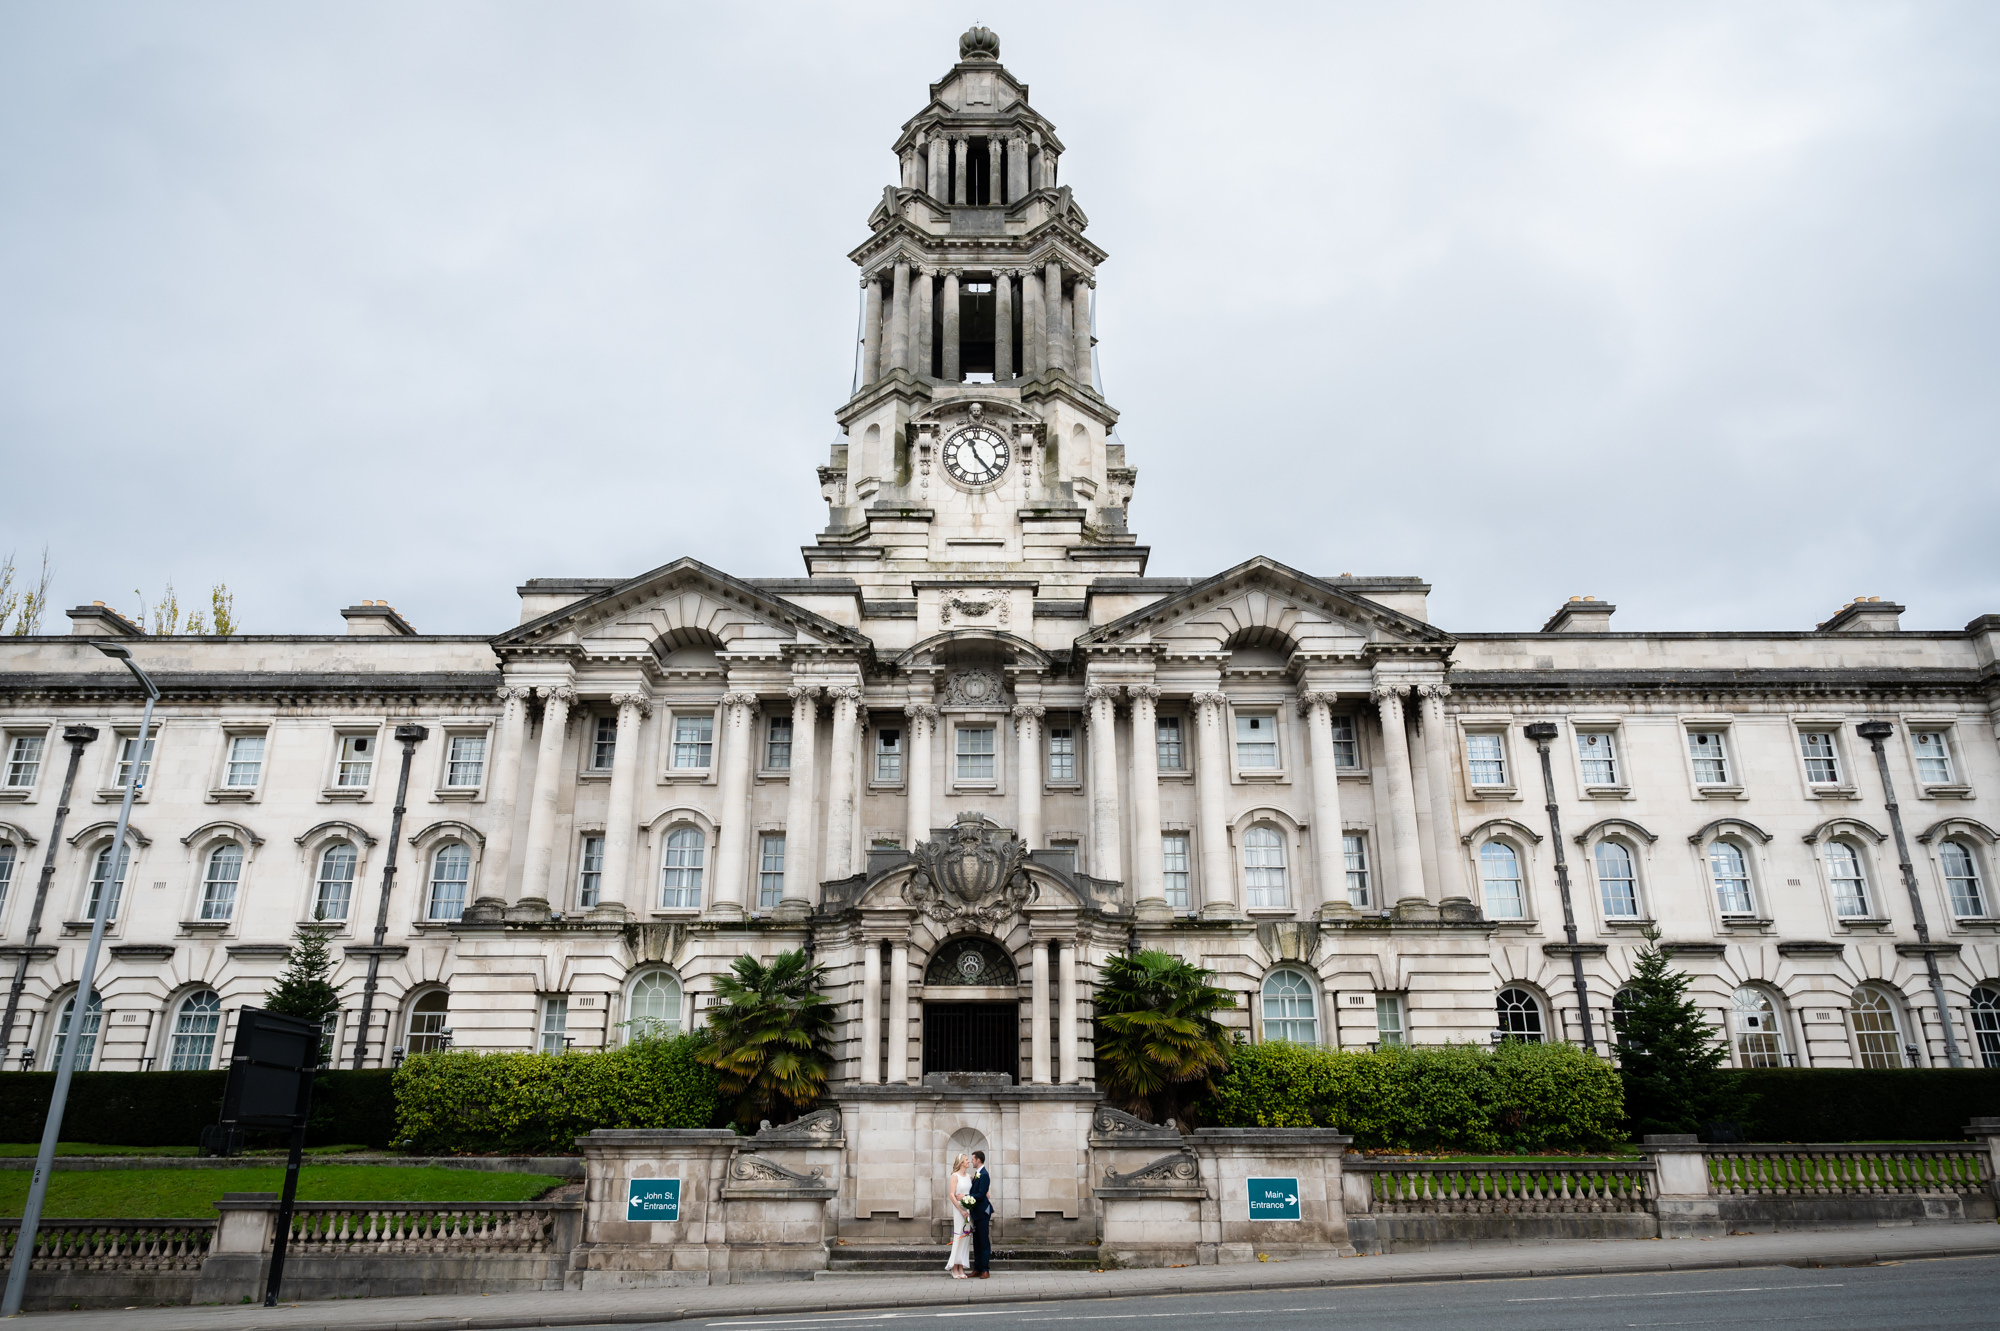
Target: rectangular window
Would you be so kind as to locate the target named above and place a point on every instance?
(1346, 748)
(778, 744)
(555, 1024)
(1174, 857)
(246, 762)
(1600, 758)
(1389, 1019)
(889, 757)
(1711, 757)
(770, 870)
(465, 766)
(1486, 760)
(355, 765)
(590, 872)
(1062, 755)
(604, 744)
(24, 761)
(1173, 750)
(1822, 763)
(694, 741)
(127, 750)
(1256, 742)
(1355, 847)
(975, 753)
(1933, 758)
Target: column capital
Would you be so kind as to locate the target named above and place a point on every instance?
(1206, 700)
(805, 691)
(1317, 698)
(1103, 692)
(1438, 689)
(839, 693)
(513, 693)
(561, 693)
(638, 700)
(735, 699)
(1382, 693)
(1029, 711)
(921, 712)
(1143, 692)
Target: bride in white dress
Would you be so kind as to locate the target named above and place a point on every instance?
(961, 1232)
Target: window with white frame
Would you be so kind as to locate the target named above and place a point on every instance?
(1289, 1011)
(86, 1030)
(1878, 1036)
(197, 1024)
(465, 765)
(1354, 849)
(1933, 757)
(694, 741)
(24, 761)
(590, 872)
(354, 764)
(1850, 884)
(1729, 869)
(888, 756)
(221, 873)
(1961, 879)
(975, 753)
(1500, 878)
(1062, 755)
(1597, 750)
(1986, 1024)
(1822, 758)
(451, 873)
(1346, 745)
(1486, 759)
(128, 752)
(245, 766)
(770, 870)
(680, 869)
(778, 744)
(1518, 1016)
(603, 743)
(555, 1023)
(1171, 743)
(7, 856)
(100, 870)
(1388, 1020)
(1175, 863)
(1710, 753)
(430, 1019)
(333, 886)
(1256, 743)
(1617, 884)
(654, 1009)
(1755, 1029)
(1264, 866)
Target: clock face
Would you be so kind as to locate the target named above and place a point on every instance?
(976, 455)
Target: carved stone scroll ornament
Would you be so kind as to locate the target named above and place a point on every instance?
(1117, 1124)
(1169, 1171)
(819, 1127)
(973, 872)
(749, 1168)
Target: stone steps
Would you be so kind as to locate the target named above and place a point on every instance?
(929, 1258)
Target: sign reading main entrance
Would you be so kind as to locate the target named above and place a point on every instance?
(1274, 1199)
(656, 1199)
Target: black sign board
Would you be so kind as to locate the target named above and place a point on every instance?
(270, 1086)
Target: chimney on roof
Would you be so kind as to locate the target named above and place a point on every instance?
(1866, 614)
(1581, 614)
(376, 619)
(98, 620)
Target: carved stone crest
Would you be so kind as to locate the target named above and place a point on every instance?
(973, 871)
(973, 688)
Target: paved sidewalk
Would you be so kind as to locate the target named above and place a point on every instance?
(474, 1313)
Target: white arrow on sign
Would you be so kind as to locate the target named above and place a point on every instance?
(1292, 1200)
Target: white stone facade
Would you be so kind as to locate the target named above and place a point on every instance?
(1297, 780)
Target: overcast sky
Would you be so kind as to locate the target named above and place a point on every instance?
(1691, 307)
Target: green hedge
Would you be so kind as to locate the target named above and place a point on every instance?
(171, 1108)
(1519, 1097)
(1863, 1104)
(461, 1101)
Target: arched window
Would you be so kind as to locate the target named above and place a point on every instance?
(6, 869)
(223, 871)
(1850, 887)
(1878, 1036)
(1289, 1012)
(654, 1008)
(1961, 877)
(334, 892)
(1754, 1026)
(1264, 866)
(1986, 1024)
(1621, 1013)
(100, 869)
(195, 1028)
(680, 871)
(1731, 873)
(430, 1019)
(1500, 873)
(86, 1033)
(451, 870)
(1615, 883)
(1518, 1016)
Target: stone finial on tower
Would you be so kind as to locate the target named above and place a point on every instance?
(979, 44)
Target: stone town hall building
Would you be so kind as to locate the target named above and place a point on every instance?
(975, 749)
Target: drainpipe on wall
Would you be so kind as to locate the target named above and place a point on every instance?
(410, 736)
(1542, 732)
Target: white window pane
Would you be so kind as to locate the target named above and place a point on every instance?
(196, 1025)
(680, 870)
(694, 741)
(1500, 875)
(356, 762)
(1731, 871)
(1933, 757)
(1174, 857)
(590, 875)
(604, 743)
(246, 761)
(1615, 881)
(1346, 749)
(1485, 759)
(451, 870)
(888, 757)
(1599, 757)
(975, 753)
(1256, 742)
(1172, 751)
(466, 762)
(24, 761)
(1711, 759)
(218, 887)
(1062, 754)
(555, 1025)
(1355, 848)
(1822, 764)
(336, 881)
(770, 870)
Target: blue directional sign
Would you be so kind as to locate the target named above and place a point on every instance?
(657, 1199)
(1274, 1199)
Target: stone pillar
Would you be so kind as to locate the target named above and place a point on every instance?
(923, 718)
(1149, 881)
(1034, 325)
(1404, 852)
(899, 1013)
(1329, 852)
(871, 1011)
(1003, 326)
(1028, 771)
(920, 316)
(1066, 1053)
(846, 700)
(899, 321)
(1218, 884)
(1080, 334)
(732, 833)
(538, 856)
(621, 821)
(958, 171)
(952, 373)
(871, 331)
(939, 153)
(1052, 286)
(1105, 831)
(1038, 1035)
(1017, 169)
(1437, 765)
(994, 147)
(801, 888)
(506, 783)
(1682, 1200)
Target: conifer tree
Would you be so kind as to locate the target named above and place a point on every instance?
(1668, 1054)
(303, 990)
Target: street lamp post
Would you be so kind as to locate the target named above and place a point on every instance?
(1875, 732)
(77, 736)
(410, 735)
(1542, 732)
(118, 866)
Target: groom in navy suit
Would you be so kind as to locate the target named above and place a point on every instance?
(982, 1220)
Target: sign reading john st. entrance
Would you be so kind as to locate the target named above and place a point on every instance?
(655, 1199)
(1274, 1199)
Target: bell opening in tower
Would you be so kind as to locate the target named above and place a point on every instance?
(975, 328)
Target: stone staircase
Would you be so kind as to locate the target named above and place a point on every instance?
(928, 1259)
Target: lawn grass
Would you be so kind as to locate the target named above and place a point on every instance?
(134, 1194)
(17, 1150)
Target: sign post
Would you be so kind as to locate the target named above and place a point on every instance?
(270, 1082)
(1274, 1199)
(653, 1199)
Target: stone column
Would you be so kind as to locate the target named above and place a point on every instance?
(538, 856)
(871, 1011)
(1066, 1014)
(923, 718)
(1329, 851)
(1080, 336)
(899, 1013)
(958, 171)
(1017, 169)
(1038, 1035)
(899, 320)
(800, 884)
(939, 152)
(871, 331)
(621, 820)
(1058, 354)
(1034, 325)
(1003, 326)
(1105, 832)
(994, 147)
(1149, 883)
(506, 782)
(951, 350)
(1404, 851)
(920, 316)
(1028, 771)
(846, 700)
(732, 833)
(1217, 884)
(1437, 764)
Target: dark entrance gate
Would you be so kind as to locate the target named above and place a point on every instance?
(973, 1037)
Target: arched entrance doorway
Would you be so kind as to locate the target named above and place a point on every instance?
(972, 1020)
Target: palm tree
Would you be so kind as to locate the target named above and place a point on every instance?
(773, 1043)
(1157, 1044)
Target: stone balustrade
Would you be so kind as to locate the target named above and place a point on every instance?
(1396, 1187)
(361, 1229)
(1904, 1169)
(114, 1245)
